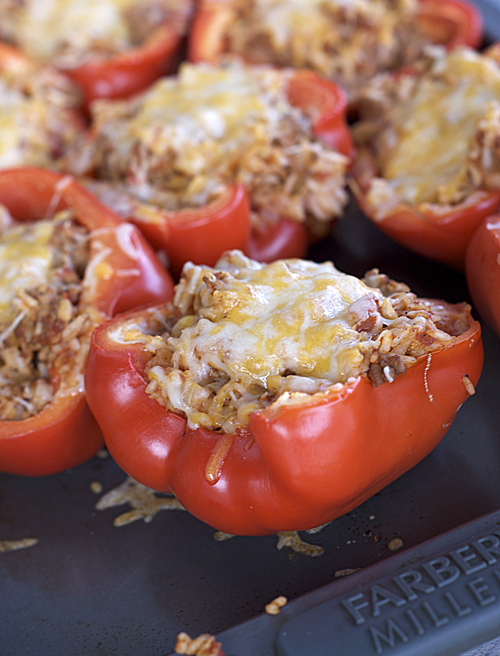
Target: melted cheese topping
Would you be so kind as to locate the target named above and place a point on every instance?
(13, 107)
(24, 128)
(25, 260)
(47, 27)
(432, 130)
(179, 145)
(284, 19)
(348, 41)
(271, 318)
(244, 335)
(204, 104)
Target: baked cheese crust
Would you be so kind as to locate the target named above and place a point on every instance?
(179, 144)
(348, 41)
(244, 335)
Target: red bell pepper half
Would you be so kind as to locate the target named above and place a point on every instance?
(201, 235)
(482, 268)
(197, 234)
(294, 466)
(448, 22)
(123, 272)
(132, 71)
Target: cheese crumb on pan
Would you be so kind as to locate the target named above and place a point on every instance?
(293, 541)
(15, 545)
(204, 645)
(290, 539)
(395, 544)
(340, 573)
(145, 502)
(37, 119)
(274, 607)
(244, 335)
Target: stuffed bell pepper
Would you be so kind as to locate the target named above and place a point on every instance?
(222, 157)
(348, 42)
(428, 156)
(271, 397)
(67, 263)
(111, 48)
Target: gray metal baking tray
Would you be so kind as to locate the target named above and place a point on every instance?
(91, 588)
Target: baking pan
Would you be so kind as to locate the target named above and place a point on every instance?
(90, 587)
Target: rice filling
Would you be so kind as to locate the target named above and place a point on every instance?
(44, 333)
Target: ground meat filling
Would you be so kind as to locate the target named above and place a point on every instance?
(68, 33)
(43, 332)
(433, 137)
(181, 143)
(348, 42)
(244, 335)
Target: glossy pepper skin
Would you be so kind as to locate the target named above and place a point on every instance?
(451, 22)
(482, 269)
(201, 235)
(132, 71)
(436, 232)
(123, 272)
(448, 22)
(295, 466)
